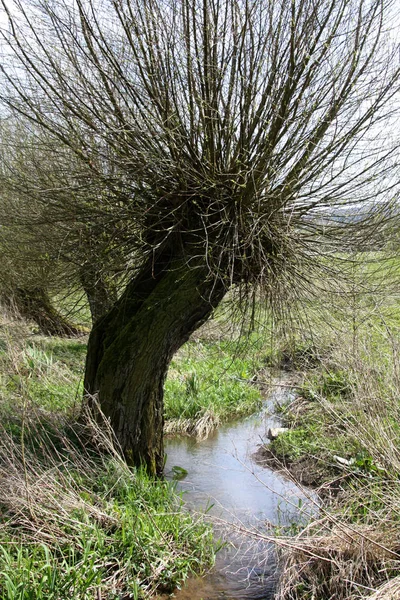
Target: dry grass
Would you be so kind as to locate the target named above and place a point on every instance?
(388, 591)
(353, 551)
(339, 561)
(41, 489)
(75, 521)
(199, 428)
(99, 528)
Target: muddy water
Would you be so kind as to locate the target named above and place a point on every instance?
(238, 495)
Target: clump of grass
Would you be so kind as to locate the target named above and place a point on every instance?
(76, 522)
(300, 356)
(199, 427)
(49, 371)
(387, 591)
(339, 561)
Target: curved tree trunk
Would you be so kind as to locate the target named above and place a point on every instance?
(34, 304)
(131, 347)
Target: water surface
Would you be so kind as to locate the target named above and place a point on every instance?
(239, 496)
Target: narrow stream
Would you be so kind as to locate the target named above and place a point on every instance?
(238, 494)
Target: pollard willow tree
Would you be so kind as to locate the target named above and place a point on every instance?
(46, 249)
(228, 124)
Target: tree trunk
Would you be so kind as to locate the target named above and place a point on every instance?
(100, 293)
(131, 347)
(35, 305)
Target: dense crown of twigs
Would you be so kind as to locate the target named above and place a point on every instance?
(227, 130)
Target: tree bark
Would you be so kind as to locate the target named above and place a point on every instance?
(100, 293)
(130, 350)
(34, 304)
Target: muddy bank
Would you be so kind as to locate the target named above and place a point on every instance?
(306, 471)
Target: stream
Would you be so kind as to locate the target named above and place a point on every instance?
(238, 495)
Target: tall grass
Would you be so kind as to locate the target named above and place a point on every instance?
(346, 420)
(78, 523)
(75, 522)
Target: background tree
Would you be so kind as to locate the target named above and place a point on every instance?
(216, 136)
(47, 250)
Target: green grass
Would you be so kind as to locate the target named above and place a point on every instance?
(212, 381)
(211, 376)
(47, 371)
(118, 532)
(347, 406)
(74, 520)
(314, 429)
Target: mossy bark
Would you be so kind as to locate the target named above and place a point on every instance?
(131, 347)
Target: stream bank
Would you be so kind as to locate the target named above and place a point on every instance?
(342, 439)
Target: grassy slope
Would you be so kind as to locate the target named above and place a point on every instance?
(75, 522)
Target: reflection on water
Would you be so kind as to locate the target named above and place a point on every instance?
(239, 495)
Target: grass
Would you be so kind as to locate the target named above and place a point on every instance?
(75, 522)
(344, 426)
(46, 370)
(211, 381)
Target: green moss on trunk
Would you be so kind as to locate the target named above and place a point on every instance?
(131, 347)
